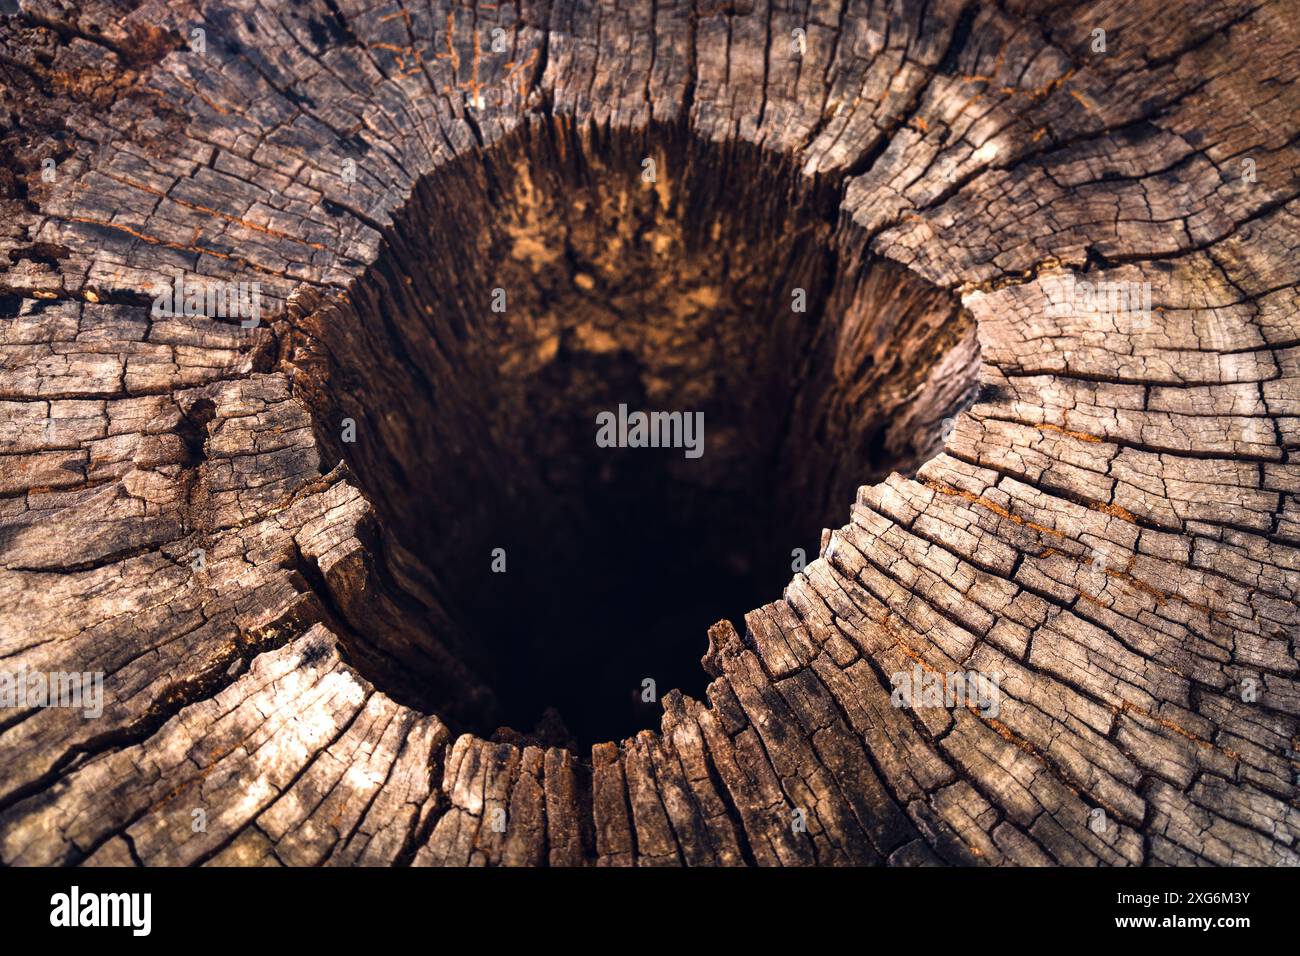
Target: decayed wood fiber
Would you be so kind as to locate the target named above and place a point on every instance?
(987, 150)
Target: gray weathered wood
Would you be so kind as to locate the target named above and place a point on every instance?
(1113, 526)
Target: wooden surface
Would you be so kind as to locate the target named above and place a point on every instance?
(1113, 526)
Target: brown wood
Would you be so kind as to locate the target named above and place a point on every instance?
(1113, 526)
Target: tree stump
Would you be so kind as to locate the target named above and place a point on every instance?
(1004, 297)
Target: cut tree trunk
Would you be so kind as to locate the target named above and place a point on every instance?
(1111, 529)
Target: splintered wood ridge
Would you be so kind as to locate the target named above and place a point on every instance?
(1111, 529)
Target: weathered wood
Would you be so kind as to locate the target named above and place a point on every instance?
(1113, 527)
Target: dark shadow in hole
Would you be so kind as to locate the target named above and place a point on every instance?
(727, 287)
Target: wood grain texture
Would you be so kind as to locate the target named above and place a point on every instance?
(1113, 526)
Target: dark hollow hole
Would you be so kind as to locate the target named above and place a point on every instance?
(476, 429)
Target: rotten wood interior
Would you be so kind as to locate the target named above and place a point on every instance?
(1099, 505)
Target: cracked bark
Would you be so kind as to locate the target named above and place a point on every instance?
(1112, 526)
